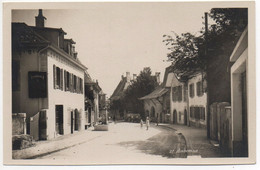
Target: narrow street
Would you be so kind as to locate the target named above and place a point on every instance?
(125, 143)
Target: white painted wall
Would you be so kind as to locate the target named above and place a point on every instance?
(197, 101)
(69, 100)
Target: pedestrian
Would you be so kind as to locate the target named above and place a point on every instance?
(157, 120)
(141, 123)
(147, 123)
(114, 119)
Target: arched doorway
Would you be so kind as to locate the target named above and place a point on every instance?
(174, 116)
(185, 117)
(146, 113)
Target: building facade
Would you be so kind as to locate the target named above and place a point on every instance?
(47, 80)
(239, 96)
(197, 101)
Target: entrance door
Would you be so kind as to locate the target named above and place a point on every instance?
(59, 119)
(175, 117)
(244, 114)
(76, 119)
(71, 122)
(185, 117)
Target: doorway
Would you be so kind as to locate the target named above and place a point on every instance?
(59, 119)
(185, 117)
(76, 119)
(244, 114)
(71, 122)
(174, 116)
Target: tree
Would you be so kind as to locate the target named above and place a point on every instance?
(187, 51)
(145, 83)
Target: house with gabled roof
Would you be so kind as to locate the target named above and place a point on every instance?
(47, 80)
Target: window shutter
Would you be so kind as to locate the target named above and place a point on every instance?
(65, 80)
(61, 79)
(71, 82)
(54, 77)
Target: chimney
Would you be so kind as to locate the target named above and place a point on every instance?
(134, 77)
(128, 76)
(39, 20)
(157, 75)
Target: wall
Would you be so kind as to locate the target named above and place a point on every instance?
(197, 101)
(179, 106)
(21, 103)
(18, 123)
(148, 104)
(69, 100)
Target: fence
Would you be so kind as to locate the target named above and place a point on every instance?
(221, 125)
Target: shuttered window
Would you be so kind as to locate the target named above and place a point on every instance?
(199, 88)
(179, 93)
(54, 77)
(74, 83)
(61, 79)
(192, 90)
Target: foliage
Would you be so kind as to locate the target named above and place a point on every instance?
(145, 83)
(184, 53)
(188, 52)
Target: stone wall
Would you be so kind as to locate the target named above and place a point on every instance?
(18, 123)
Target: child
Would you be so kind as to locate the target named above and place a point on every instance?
(141, 122)
(147, 123)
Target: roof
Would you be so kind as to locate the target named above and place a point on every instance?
(119, 89)
(158, 92)
(48, 28)
(241, 45)
(23, 36)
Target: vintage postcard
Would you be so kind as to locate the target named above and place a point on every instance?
(119, 83)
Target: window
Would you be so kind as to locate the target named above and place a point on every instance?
(80, 86)
(67, 80)
(57, 77)
(15, 75)
(174, 94)
(192, 112)
(199, 88)
(197, 113)
(75, 83)
(177, 93)
(192, 90)
(185, 92)
(202, 113)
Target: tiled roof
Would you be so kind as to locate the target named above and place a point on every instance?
(158, 92)
(24, 36)
(119, 89)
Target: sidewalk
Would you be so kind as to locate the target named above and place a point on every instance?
(197, 142)
(43, 148)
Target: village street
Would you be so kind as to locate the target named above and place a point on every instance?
(127, 143)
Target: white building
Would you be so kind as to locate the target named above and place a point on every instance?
(239, 96)
(197, 101)
(178, 99)
(47, 80)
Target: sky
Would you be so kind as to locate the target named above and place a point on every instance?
(115, 38)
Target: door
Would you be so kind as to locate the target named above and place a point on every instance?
(244, 114)
(76, 119)
(59, 119)
(71, 122)
(174, 116)
(185, 117)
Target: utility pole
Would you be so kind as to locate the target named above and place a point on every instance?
(206, 68)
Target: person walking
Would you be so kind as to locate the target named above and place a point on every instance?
(147, 123)
(141, 123)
